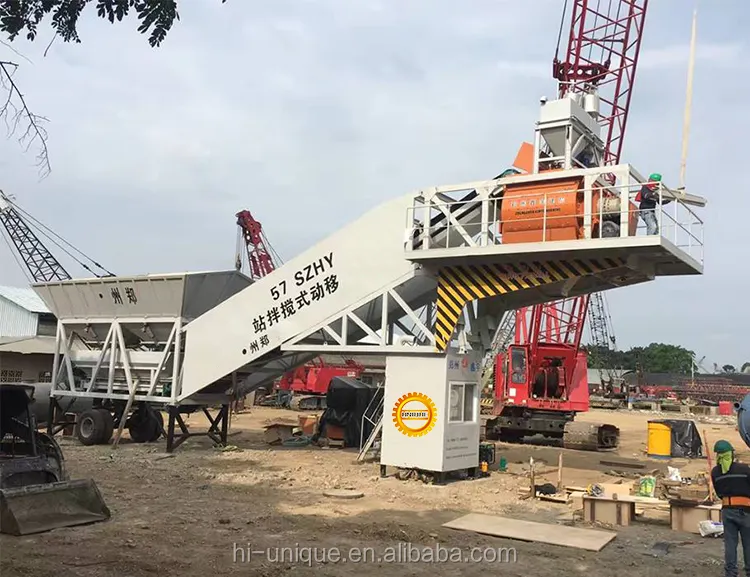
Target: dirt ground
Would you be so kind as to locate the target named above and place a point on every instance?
(199, 511)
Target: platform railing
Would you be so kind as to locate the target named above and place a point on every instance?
(477, 222)
(678, 223)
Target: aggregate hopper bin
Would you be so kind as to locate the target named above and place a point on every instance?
(143, 315)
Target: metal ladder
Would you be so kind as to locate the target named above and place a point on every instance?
(373, 415)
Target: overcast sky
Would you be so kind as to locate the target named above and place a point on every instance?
(310, 112)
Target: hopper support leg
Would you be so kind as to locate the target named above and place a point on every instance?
(218, 429)
(59, 418)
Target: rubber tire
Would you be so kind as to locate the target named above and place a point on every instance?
(145, 428)
(140, 428)
(98, 427)
(110, 426)
(158, 421)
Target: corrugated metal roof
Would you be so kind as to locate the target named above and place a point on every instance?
(28, 345)
(25, 298)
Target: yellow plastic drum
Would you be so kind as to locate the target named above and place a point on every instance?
(659, 440)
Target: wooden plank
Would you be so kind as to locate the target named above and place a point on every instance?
(574, 459)
(686, 518)
(587, 539)
(611, 511)
(618, 489)
(631, 499)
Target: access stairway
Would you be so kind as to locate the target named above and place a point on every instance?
(373, 416)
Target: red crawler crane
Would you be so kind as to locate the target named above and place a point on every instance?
(542, 381)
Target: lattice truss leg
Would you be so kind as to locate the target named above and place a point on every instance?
(400, 317)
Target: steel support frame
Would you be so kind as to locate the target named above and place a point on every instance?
(422, 331)
(118, 357)
(502, 336)
(269, 369)
(218, 429)
(289, 360)
(58, 416)
(483, 329)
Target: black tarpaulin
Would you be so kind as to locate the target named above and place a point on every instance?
(686, 440)
(346, 402)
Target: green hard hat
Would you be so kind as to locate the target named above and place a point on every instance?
(723, 447)
(655, 177)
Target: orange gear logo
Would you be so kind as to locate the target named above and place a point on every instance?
(414, 414)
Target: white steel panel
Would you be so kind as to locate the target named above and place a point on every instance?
(185, 295)
(16, 321)
(363, 257)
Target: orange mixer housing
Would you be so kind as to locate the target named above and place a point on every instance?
(522, 212)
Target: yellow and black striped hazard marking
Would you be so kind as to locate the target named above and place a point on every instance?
(458, 285)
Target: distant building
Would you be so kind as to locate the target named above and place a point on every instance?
(671, 379)
(596, 376)
(27, 336)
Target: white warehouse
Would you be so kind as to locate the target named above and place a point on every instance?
(27, 336)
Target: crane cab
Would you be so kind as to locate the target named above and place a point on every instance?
(558, 380)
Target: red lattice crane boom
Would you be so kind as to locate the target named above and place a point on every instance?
(543, 383)
(602, 52)
(603, 45)
(259, 258)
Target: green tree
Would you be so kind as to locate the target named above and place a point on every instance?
(745, 367)
(664, 358)
(24, 16)
(155, 17)
(728, 369)
(655, 358)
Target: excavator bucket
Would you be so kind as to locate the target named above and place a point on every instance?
(39, 508)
